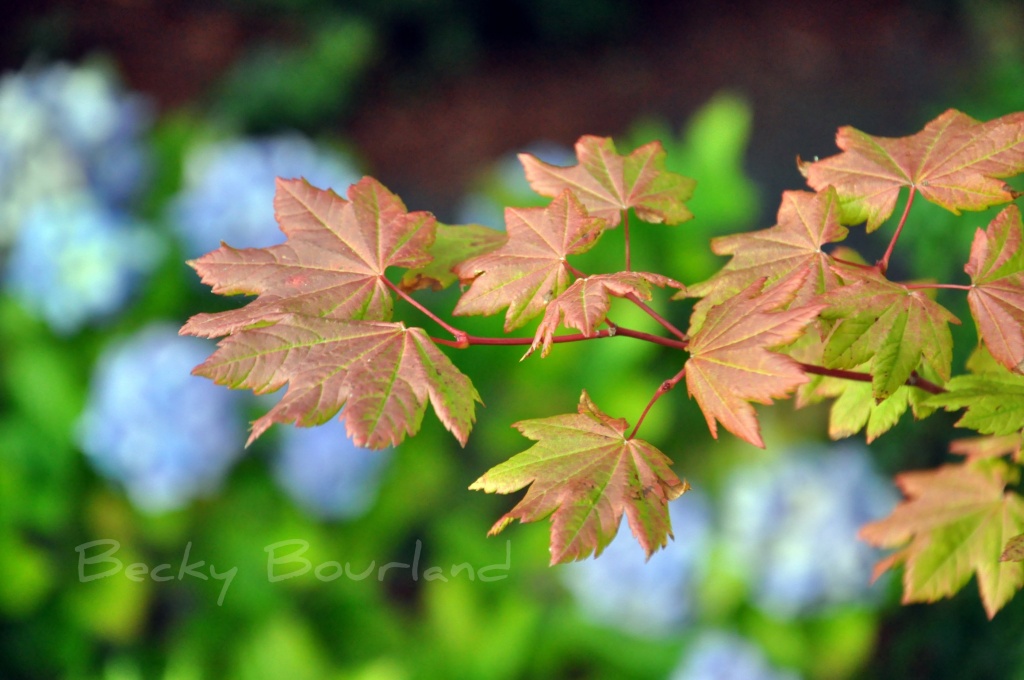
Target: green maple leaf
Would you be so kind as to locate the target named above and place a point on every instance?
(792, 248)
(996, 297)
(584, 473)
(452, 245)
(856, 409)
(584, 304)
(382, 373)
(955, 162)
(994, 402)
(889, 325)
(608, 183)
(530, 269)
(333, 261)
(730, 360)
(954, 523)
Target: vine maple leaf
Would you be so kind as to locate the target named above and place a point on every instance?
(333, 261)
(730, 363)
(608, 183)
(994, 402)
(584, 304)
(584, 473)
(889, 325)
(530, 270)
(954, 522)
(955, 162)
(453, 244)
(990, 446)
(383, 373)
(996, 297)
(792, 248)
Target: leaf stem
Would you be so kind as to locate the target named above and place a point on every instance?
(461, 337)
(575, 272)
(913, 381)
(625, 234)
(883, 264)
(575, 337)
(925, 286)
(663, 389)
(668, 325)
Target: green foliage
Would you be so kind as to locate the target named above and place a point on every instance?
(790, 311)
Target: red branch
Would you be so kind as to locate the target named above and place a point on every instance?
(913, 381)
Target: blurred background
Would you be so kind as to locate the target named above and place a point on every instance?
(138, 539)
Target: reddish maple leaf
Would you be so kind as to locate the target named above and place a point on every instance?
(990, 446)
(889, 325)
(957, 520)
(383, 373)
(452, 245)
(996, 268)
(730, 363)
(792, 248)
(530, 270)
(333, 261)
(585, 473)
(608, 183)
(584, 304)
(954, 162)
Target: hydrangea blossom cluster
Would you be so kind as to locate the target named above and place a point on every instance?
(165, 435)
(325, 473)
(67, 129)
(229, 188)
(71, 158)
(77, 260)
(653, 597)
(791, 526)
(718, 655)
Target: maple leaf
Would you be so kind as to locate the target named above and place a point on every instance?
(453, 244)
(889, 325)
(954, 522)
(990, 446)
(994, 402)
(792, 248)
(955, 162)
(608, 183)
(855, 407)
(383, 373)
(996, 297)
(584, 304)
(333, 261)
(530, 270)
(730, 363)
(584, 473)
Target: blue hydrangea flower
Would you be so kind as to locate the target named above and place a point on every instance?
(622, 589)
(67, 129)
(165, 435)
(718, 655)
(76, 261)
(791, 525)
(325, 473)
(229, 189)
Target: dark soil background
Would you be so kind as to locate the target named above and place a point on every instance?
(435, 105)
